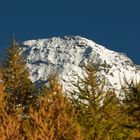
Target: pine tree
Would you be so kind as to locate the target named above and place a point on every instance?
(18, 87)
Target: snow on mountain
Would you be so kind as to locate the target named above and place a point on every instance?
(68, 55)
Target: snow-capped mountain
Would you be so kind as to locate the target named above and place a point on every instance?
(68, 55)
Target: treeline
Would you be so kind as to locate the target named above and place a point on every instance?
(29, 113)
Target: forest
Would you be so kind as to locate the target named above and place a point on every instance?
(47, 113)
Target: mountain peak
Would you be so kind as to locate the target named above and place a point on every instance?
(67, 55)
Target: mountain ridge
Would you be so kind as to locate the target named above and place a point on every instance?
(67, 55)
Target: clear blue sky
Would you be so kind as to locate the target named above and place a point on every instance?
(112, 23)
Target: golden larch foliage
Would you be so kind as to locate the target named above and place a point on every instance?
(1, 84)
(9, 124)
(54, 120)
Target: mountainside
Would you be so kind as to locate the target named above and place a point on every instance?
(68, 55)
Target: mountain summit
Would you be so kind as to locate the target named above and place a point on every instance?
(67, 55)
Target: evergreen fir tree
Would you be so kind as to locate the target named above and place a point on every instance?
(87, 101)
(99, 113)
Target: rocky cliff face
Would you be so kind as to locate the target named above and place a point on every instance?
(69, 54)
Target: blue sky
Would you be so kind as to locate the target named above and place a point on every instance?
(114, 24)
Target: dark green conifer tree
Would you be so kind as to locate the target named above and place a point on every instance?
(87, 101)
(98, 112)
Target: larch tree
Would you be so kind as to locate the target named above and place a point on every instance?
(54, 119)
(131, 108)
(9, 124)
(18, 87)
(113, 118)
(1, 84)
